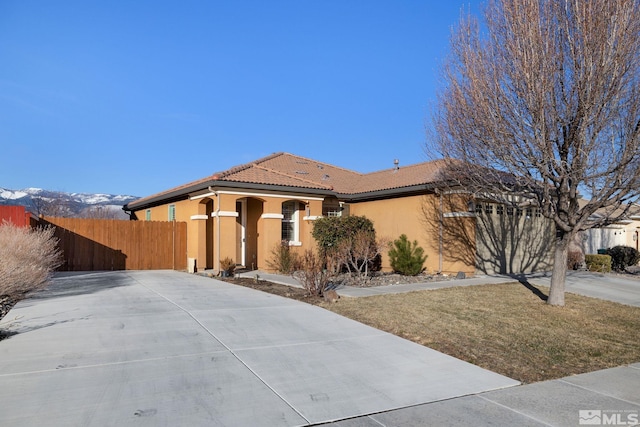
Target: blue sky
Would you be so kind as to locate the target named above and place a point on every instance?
(135, 97)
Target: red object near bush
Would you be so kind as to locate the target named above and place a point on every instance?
(18, 216)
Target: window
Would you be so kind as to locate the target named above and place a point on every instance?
(488, 209)
(537, 213)
(148, 215)
(290, 221)
(518, 211)
(172, 212)
(500, 209)
(510, 210)
(331, 208)
(478, 208)
(529, 213)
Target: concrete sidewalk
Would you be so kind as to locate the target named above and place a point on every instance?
(608, 397)
(611, 287)
(353, 291)
(168, 348)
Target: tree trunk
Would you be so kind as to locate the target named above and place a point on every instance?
(559, 272)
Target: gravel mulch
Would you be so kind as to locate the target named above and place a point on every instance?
(385, 279)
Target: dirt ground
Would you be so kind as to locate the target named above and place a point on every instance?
(274, 288)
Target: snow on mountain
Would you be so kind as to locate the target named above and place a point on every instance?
(58, 203)
(12, 195)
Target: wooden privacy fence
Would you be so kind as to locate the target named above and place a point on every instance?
(107, 244)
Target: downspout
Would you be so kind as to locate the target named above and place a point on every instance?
(217, 257)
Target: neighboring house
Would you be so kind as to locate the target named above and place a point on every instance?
(246, 211)
(623, 232)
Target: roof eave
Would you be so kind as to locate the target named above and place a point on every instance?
(389, 193)
(184, 193)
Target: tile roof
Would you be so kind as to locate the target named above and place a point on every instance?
(288, 170)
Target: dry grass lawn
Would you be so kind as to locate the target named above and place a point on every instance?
(507, 328)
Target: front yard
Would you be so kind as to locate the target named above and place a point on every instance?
(504, 328)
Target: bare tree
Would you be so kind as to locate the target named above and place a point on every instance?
(549, 94)
(100, 212)
(52, 207)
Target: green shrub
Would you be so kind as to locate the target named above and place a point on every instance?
(329, 232)
(348, 243)
(601, 263)
(623, 257)
(407, 258)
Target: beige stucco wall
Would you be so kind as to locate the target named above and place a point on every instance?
(418, 218)
(262, 228)
(451, 236)
(613, 235)
(513, 244)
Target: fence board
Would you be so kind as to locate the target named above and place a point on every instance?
(107, 244)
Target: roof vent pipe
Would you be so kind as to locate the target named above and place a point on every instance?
(396, 164)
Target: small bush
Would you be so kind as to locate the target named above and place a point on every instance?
(360, 254)
(623, 257)
(349, 243)
(312, 274)
(600, 263)
(227, 265)
(283, 259)
(329, 232)
(27, 259)
(574, 260)
(407, 258)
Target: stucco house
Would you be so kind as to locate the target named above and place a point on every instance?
(623, 232)
(244, 212)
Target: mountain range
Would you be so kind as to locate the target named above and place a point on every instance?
(59, 203)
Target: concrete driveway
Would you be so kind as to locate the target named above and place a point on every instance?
(622, 289)
(168, 348)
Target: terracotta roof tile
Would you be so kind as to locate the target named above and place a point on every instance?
(288, 170)
(261, 175)
(403, 176)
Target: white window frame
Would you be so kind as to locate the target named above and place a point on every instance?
(295, 220)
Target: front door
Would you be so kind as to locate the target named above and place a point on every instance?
(241, 231)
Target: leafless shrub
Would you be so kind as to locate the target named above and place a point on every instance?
(359, 253)
(27, 258)
(283, 259)
(312, 274)
(575, 259)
